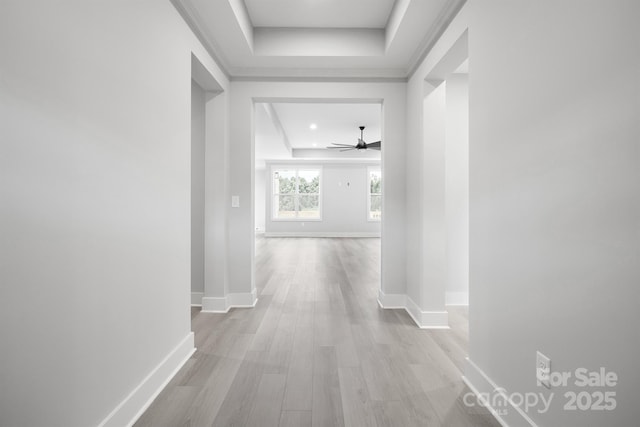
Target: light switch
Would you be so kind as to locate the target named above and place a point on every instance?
(235, 201)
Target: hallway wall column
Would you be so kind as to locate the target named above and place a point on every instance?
(432, 223)
(457, 189)
(430, 310)
(216, 204)
(210, 164)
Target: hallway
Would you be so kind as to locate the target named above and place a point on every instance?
(317, 350)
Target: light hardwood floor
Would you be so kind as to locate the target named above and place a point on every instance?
(317, 350)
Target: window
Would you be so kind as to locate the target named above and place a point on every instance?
(374, 190)
(296, 193)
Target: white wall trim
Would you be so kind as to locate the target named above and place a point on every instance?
(457, 298)
(134, 405)
(246, 300)
(196, 299)
(214, 305)
(390, 301)
(424, 319)
(427, 319)
(224, 304)
(321, 234)
(481, 385)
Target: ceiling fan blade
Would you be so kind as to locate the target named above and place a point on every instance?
(374, 145)
(361, 145)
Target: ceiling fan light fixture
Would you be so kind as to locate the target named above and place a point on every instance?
(361, 145)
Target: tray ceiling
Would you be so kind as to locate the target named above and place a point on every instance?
(318, 38)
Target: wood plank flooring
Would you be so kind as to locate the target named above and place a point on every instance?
(317, 350)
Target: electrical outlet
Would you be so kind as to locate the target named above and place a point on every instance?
(543, 369)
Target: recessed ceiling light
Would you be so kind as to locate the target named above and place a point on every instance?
(314, 144)
(313, 126)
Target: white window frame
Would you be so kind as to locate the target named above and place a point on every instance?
(297, 169)
(371, 169)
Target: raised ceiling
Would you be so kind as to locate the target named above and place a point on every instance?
(319, 13)
(334, 123)
(318, 38)
(282, 129)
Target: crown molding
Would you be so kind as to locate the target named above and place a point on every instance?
(387, 75)
(347, 75)
(318, 79)
(190, 18)
(442, 23)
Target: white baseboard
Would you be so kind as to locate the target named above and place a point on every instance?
(214, 305)
(247, 300)
(424, 319)
(196, 298)
(427, 319)
(224, 304)
(134, 405)
(391, 300)
(457, 298)
(481, 385)
(321, 234)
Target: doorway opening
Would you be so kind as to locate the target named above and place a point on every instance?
(306, 191)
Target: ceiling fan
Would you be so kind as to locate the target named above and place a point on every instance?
(361, 145)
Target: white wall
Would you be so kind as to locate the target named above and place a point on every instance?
(433, 256)
(261, 199)
(414, 188)
(95, 211)
(217, 201)
(241, 223)
(554, 196)
(457, 189)
(344, 202)
(554, 207)
(197, 186)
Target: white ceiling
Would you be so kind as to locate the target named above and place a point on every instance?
(290, 124)
(318, 38)
(335, 123)
(270, 142)
(319, 13)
